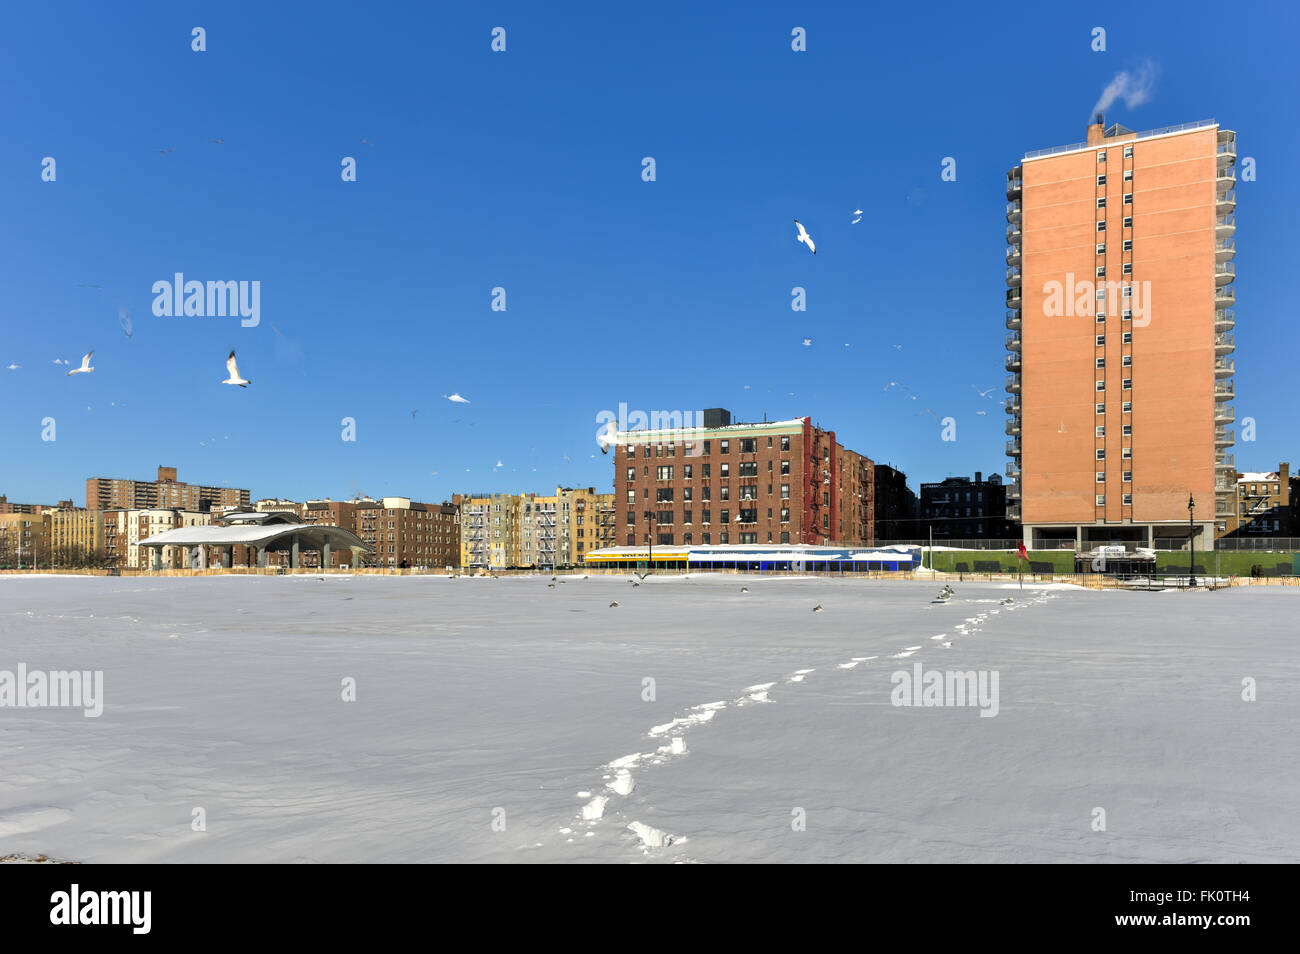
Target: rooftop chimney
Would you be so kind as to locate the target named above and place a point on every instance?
(1097, 131)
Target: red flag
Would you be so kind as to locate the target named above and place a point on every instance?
(1022, 553)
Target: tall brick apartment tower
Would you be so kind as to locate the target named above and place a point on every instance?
(1119, 318)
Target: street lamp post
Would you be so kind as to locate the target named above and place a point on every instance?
(1191, 540)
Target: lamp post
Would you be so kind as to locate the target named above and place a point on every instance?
(1191, 540)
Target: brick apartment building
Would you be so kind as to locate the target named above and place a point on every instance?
(112, 493)
(404, 533)
(1262, 505)
(895, 505)
(958, 508)
(1119, 318)
(7, 507)
(774, 482)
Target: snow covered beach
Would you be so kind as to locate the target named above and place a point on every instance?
(491, 716)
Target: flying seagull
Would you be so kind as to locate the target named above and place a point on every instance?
(858, 213)
(807, 342)
(14, 367)
(165, 151)
(984, 393)
(85, 365)
(805, 237)
(415, 412)
(233, 369)
(455, 398)
(898, 347)
(87, 285)
(124, 319)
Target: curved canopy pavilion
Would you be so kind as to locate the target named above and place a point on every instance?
(262, 533)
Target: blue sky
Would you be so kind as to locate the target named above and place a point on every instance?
(522, 170)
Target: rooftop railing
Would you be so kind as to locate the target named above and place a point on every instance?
(1147, 134)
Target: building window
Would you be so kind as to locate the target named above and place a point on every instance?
(724, 470)
(748, 445)
(687, 493)
(1101, 454)
(1101, 363)
(1128, 500)
(1101, 226)
(1101, 317)
(1101, 248)
(1101, 272)
(1128, 152)
(706, 516)
(1101, 155)
(1126, 337)
(1101, 340)
(1128, 221)
(1128, 198)
(785, 514)
(1101, 409)
(1128, 175)
(1127, 430)
(1127, 268)
(1127, 315)
(686, 471)
(1126, 453)
(1101, 430)
(1101, 385)
(1101, 180)
(1128, 476)
(1126, 407)
(725, 447)
(1101, 202)
(1128, 245)
(785, 491)
(1101, 500)
(1128, 384)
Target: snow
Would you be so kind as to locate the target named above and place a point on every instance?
(530, 704)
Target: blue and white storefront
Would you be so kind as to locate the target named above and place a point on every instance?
(798, 558)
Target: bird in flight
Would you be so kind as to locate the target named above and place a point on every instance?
(165, 151)
(124, 319)
(897, 347)
(14, 367)
(366, 142)
(984, 393)
(415, 412)
(455, 398)
(85, 365)
(217, 142)
(858, 213)
(805, 237)
(233, 370)
(807, 342)
(927, 411)
(89, 285)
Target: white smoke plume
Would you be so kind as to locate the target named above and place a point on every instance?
(1135, 88)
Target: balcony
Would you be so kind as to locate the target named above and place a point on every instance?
(1013, 427)
(1013, 512)
(1013, 276)
(1013, 235)
(1013, 297)
(1224, 391)
(1013, 319)
(1225, 273)
(1015, 182)
(1224, 249)
(1013, 405)
(1227, 142)
(1223, 506)
(1013, 491)
(1013, 448)
(1223, 437)
(1013, 362)
(1225, 225)
(1224, 297)
(1226, 462)
(1013, 384)
(1013, 470)
(1013, 255)
(1225, 179)
(1224, 414)
(1013, 212)
(1224, 320)
(1013, 341)
(1226, 202)
(1224, 343)
(1224, 368)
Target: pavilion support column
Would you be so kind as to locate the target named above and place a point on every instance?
(325, 555)
(356, 559)
(293, 553)
(261, 557)
(156, 558)
(226, 557)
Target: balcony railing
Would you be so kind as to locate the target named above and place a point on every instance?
(1224, 414)
(1013, 297)
(1013, 491)
(1146, 134)
(1224, 368)
(1224, 249)
(1013, 427)
(1224, 391)
(1013, 362)
(1013, 211)
(1013, 319)
(1013, 384)
(1013, 235)
(1226, 202)
(1223, 437)
(1224, 319)
(1226, 179)
(1013, 405)
(1225, 272)
(1226, 462)
(1013, 341)
(1223, 343)
(1224, 296)
(1226, 224)
(1015, 183)
(1013, 470)
(1013, 254)
(1013, 276)
(1013, 448)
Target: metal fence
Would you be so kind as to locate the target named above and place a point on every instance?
(1164, 544)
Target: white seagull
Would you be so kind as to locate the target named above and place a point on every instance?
(14, 367)
(85, 365)
(805, 237)
(807, 342)
(984, 393)
(455, 398)
(233, 370)
(858, 213)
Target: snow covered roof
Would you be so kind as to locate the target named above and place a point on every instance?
(257, 535)
(1256, 476)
